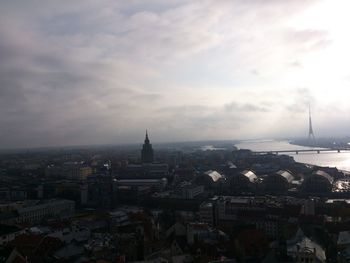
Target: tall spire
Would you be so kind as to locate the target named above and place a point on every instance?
(147, 151)
(146, 138)
(311, 132)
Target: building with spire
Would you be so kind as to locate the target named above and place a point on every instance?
(147, 151)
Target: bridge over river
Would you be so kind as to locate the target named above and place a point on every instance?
(339, 150)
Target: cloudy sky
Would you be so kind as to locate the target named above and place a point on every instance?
(104, 71)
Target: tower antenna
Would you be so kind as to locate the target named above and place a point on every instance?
(311, 132)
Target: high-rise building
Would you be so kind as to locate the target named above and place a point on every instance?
(147, 151)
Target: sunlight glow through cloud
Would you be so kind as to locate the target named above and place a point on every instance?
(90, 72)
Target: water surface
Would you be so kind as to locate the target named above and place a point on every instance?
(332, 159)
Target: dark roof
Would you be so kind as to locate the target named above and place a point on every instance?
(182, 242)
(324, 175)
(250, 175)
(36, 247)
(286, 174)
(5, 252)
(214, 175)
(5, 229)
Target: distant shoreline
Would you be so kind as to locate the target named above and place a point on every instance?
(326, 143)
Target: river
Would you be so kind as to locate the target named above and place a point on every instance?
(332, 159)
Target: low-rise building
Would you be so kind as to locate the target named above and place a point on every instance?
(187, 190)
(202, 232)
(318, 182)
(207, 213)
(243, 181)
(210, 179)
(279, 181)
(156, 184)
(35, 212)
(303, 249)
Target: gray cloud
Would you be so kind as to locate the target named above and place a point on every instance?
(246, 107)
(302, 98)
(85, 72)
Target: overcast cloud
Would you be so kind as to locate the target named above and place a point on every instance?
(104, 71)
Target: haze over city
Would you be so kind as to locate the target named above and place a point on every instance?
(101, 72)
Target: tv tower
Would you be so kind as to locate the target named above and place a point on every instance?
(311, 132)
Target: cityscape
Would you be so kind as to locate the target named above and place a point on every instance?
(174, 131)
(186, 202)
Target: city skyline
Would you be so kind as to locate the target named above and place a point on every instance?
(101, 72)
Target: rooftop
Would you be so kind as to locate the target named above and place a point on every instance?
(5, 229)
(215, 176)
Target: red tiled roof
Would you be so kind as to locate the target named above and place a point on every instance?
(249, 243)
(26, 240)
(40, 245)
(19, 260)
(48, 245)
